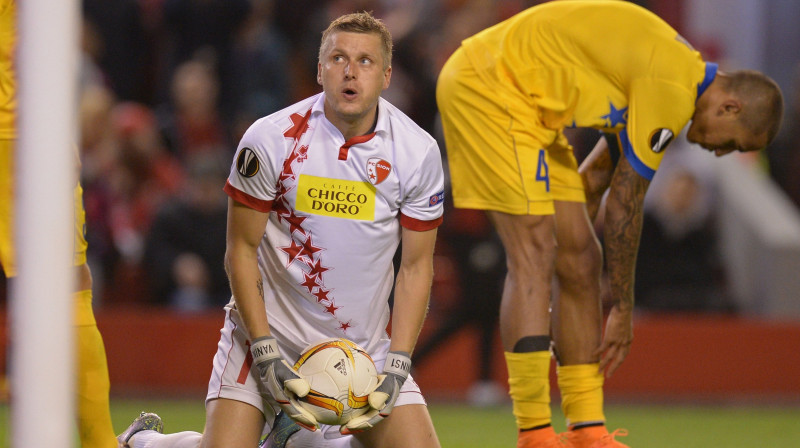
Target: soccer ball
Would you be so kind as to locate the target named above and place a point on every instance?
(341, 375)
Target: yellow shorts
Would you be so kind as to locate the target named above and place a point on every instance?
(84, 313)
(499, 154)
(7, 251)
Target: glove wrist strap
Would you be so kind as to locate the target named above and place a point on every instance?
(398, 363)
(264, 349)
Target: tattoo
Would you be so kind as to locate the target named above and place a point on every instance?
(623, 228)
(260, 286)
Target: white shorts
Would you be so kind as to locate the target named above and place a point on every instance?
(326, 437)
(234, 379)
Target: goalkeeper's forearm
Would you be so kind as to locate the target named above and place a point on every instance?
(248, 292)
(411, 299)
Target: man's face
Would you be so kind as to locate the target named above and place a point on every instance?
(352, 75)
(721, 133)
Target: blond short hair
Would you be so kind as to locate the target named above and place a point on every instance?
(360, 22)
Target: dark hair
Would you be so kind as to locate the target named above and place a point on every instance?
(360, 22)
(762, 99)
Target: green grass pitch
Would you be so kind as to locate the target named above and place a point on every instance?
(458, 426)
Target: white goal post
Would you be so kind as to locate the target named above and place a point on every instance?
(41, 307)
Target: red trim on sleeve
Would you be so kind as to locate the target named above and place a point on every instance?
(353, 141)
(418, 224)
(244, 198)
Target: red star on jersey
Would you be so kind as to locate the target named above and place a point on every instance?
(295, 224)
(283, 189)
(283, 211)
(322, 295)
(331, 309)
(279, 206)
(299, 125)
(295, 251)
(287, 173)
(317, 269)
(344, 325)
(310, 248)
(310, 282)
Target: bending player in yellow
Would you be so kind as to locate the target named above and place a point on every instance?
(94, 418)
(505, 97)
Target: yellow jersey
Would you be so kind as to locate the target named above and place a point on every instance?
(609, 65)
(7, 85)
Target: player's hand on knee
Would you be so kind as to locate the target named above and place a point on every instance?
(283, 383)
(382, 399)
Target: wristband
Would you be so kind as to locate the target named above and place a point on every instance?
(398, 363)
(264, 349)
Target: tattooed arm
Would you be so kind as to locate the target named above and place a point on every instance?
(245, 230)
(623, 227)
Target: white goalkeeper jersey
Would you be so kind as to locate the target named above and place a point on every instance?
(336, 211)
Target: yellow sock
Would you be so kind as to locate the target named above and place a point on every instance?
(581, 393)
(94, 415)
(529, 387)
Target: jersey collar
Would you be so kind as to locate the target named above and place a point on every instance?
(382, 126)
(711, 73)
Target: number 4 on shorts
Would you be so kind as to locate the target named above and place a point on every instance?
(543, 171)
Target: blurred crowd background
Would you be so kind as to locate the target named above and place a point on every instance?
(169, 86)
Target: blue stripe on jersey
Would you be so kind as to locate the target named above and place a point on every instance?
(711, 73)
(637, 164)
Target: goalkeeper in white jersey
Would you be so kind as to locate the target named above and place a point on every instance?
(321, 194)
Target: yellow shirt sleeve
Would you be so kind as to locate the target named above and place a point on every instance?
(658, 110)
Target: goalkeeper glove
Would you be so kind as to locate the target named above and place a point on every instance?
(382, 399)
(283, 383)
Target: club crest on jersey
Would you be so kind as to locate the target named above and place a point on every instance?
(435, 199)
(660, 138)
(247, 163)
(378, 170)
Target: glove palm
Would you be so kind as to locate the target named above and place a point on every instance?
(283, 383)
(382, 399)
